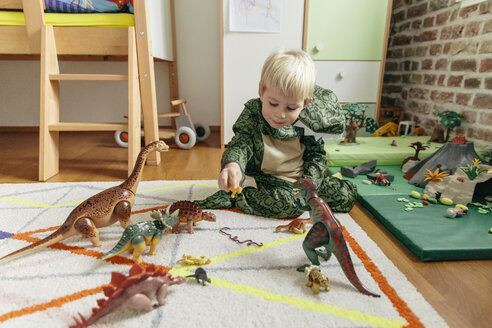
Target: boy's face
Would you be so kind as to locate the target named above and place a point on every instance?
(280, 110)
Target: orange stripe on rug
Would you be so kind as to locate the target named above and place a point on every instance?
(25, 236)
(399, 304)
(150, 209)
(57, 302)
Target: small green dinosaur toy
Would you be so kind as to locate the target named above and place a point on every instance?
(137, 236)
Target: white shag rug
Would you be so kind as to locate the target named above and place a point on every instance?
(250, 286)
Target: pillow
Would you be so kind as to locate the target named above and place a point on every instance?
(89, 6)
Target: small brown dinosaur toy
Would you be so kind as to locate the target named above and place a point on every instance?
(189, 214)
(297, 226)
(134, 291)
(316, 279)
(101, 210)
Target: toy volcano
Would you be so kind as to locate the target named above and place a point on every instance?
(447, 158)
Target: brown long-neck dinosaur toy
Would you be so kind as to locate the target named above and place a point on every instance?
(101, 210)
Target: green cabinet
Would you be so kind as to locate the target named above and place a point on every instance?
(347, 40)
(346, 29)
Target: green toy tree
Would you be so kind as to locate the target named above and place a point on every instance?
(449, 121)
(355, 119)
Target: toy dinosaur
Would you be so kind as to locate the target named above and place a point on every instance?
(101, 210)
(134, 291)
(236, 191)
(326, 233)
(297, 226)
(137, 236)
(316, 279)
(194, 260)
(200, 276)
(189, 214)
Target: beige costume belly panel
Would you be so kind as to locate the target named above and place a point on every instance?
(283, 158)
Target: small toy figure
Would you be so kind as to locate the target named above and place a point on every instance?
(200, 276)
(456, 212)
(297, 226)
(393, 143)
(101, 210)
(235, 191)
(326, 232)
(190, 213)
(134, 291)
(137, 236)
(316, 279)
(379, 179)
(194, 260)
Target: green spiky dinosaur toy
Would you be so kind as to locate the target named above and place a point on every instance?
(137, 236)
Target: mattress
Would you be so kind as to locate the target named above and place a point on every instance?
(380, 148)
(14, 18)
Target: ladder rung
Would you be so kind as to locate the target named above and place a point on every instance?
(178, 102)
(168, 115)
(82, 126)
(89, 77)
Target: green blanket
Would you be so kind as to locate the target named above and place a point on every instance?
(426, 231)
(369, 148)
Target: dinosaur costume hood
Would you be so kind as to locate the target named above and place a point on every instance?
(323, 116)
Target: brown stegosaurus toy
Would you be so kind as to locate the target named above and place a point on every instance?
(132, 291)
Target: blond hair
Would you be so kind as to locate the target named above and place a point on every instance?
(290, 72)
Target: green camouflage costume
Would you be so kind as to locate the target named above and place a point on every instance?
(273, 196)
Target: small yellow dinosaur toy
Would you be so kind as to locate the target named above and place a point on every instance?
(316, 279)
(194, 260)
(235, 191)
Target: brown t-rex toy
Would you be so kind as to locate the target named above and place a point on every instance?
(101, 210)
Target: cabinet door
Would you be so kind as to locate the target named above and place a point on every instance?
(355, 81)
(346, 29)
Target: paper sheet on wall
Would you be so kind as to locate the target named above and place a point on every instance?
(255, 16)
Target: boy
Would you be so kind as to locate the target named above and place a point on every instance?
(270, 145)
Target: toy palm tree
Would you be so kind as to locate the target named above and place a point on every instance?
(355, 119)
(449, 121)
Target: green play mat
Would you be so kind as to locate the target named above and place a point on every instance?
(426, 232)
(369, 148)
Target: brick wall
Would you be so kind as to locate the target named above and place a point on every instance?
(440, 58)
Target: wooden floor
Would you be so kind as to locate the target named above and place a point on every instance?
(460, 291)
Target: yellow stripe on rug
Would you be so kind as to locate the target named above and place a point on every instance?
(144, 191)
(304, 304)
(351, 315)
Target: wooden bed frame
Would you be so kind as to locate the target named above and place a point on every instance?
(22, 41)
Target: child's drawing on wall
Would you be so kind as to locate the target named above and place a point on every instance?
(255, 15)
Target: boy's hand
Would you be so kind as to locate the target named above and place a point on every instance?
(230, 177)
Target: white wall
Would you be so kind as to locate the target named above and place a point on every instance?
(245, 53)
(197, 29)
(197, 35)
(79, 101)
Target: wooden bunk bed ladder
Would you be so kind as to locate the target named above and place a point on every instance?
(50, 124)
